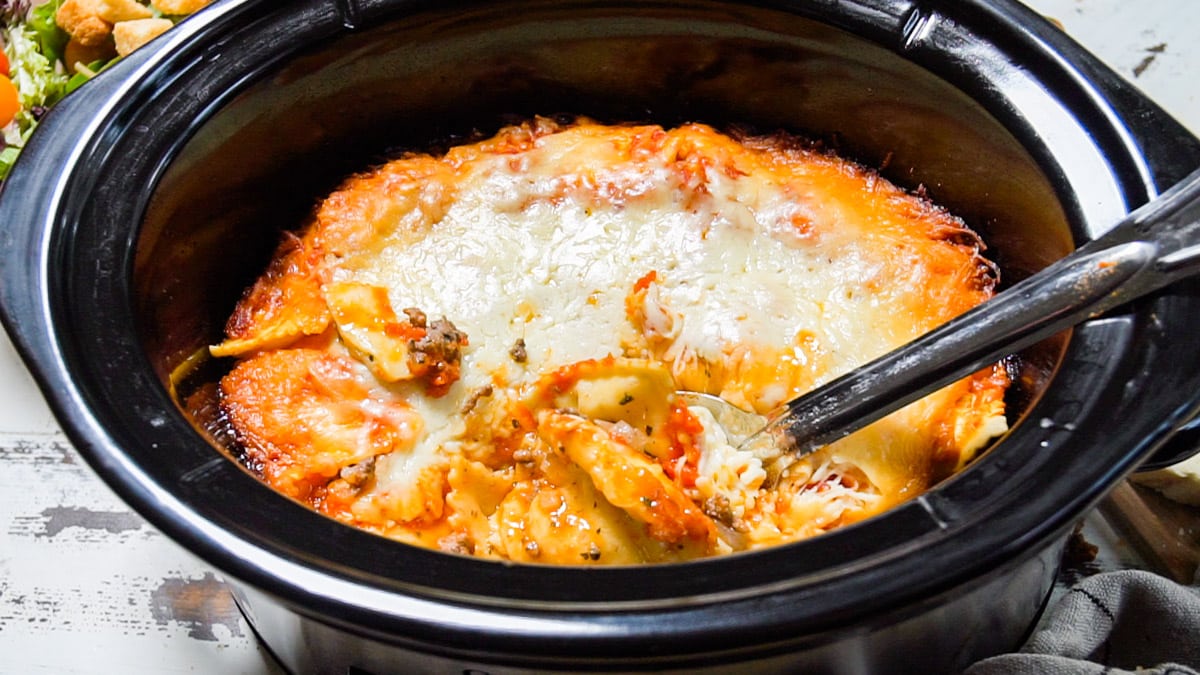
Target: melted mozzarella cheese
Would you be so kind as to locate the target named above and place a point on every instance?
(556, 275)
(592, 267)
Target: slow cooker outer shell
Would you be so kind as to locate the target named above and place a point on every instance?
(69, 302)
(938, 634)
(238, 135)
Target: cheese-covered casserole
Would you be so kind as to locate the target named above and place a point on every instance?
(478, 351)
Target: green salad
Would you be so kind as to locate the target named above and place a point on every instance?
(51, 47)
(33, 45)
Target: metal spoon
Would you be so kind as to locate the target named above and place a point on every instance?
(1152, 247)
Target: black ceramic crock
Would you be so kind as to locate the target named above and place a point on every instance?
(147, 200)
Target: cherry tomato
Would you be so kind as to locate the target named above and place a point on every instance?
(10, 102)
(4, 64)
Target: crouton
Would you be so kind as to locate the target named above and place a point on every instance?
(82, 21)
(179, 7)
(77, 54)
(115, 11)
(129, 35)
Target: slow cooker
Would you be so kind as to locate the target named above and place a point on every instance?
(147, 200)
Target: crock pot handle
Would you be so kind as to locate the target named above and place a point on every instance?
(1184, 444)
(1171, 152)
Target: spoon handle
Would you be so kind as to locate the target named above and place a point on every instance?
(1152, 247)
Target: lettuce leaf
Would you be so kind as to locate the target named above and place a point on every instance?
(39, 79)
(51, 39)
(7, 157)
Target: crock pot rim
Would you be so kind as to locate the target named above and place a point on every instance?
(107, 458)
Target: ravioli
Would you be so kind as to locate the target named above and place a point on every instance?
(478, 351)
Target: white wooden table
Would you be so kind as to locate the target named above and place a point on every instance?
(86, 586)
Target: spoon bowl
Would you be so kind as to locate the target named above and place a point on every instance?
(738, 424)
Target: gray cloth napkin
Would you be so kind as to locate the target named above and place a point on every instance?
(1112, 623)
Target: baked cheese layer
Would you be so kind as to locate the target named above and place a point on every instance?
(478, 351)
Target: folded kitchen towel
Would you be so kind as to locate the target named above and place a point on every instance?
(1113, 623)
